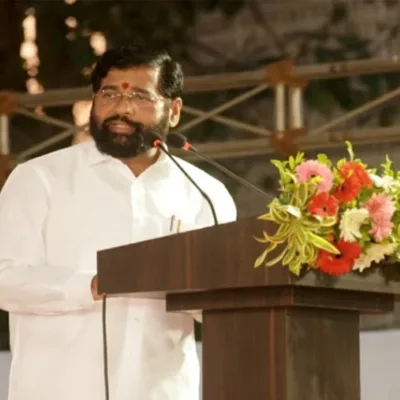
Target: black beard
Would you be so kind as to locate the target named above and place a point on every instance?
(132, 145)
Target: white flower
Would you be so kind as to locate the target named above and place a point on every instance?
(387, 183)
(351, 222)
(376, 253)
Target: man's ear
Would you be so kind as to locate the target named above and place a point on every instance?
(175, 112)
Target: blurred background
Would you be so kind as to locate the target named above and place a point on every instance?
(264, 79)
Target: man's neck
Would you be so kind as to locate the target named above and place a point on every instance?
(140, 163)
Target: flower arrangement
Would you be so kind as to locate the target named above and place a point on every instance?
(335, 218)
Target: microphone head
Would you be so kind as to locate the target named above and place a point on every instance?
(179, 141)
(152, 139)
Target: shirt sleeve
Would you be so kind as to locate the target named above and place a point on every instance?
(27, 283)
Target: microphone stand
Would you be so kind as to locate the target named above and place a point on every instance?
(179, 141)
(167, 153)
(231, 174)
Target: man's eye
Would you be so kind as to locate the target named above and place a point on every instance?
(142, 97)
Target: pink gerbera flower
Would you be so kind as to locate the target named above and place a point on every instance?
(381, 210)
(310, 169)
(381, 229)
(380, 206)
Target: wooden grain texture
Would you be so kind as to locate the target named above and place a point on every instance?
(210, 258)
(218, 257)
(281, 354)
(284, 296)
(267, 335)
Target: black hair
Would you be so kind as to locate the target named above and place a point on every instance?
(171, 74)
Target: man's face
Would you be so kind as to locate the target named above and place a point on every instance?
(127, 105)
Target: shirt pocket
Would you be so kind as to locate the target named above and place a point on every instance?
(175, 224)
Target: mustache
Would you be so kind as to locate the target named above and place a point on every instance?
(121, 118)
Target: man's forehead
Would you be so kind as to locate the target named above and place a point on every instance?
(132, 77)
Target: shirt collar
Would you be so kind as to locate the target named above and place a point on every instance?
(94, 157)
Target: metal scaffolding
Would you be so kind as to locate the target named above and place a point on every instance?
(286, 80)
(226, 81)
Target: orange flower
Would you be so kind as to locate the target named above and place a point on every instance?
(323, 205)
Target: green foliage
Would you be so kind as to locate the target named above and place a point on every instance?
(305, 225)
(298, 233)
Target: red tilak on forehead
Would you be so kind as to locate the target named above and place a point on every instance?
(125, 85)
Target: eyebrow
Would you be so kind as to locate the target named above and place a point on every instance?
(109, 87)
(136, 89)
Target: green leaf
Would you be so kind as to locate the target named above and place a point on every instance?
(265, 240)
(310, 253)
(387, 167)
(285, 176)
(323, 159)
(350, 150)
(278, 258)
(278, 164)
(322, 243)
(260, 260)
(302, 194)
(328, 222)
(341, 162)
(301, 233)
(266, 217)
(280, 235)
(293, 162)
(299, 158)
(290, 256)
(295, 267)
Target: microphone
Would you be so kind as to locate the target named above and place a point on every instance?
(179, 141)
(154, 140)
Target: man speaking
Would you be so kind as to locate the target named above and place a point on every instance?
(58, 210)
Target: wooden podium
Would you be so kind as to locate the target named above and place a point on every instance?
(267, 335)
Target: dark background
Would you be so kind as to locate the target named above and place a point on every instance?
(66, 58)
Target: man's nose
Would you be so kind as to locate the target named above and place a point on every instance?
(125, 106)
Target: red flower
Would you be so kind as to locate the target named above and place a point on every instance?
(339, 264)
(323, 204)
(351, 168)
(348, 190)
(355, 178)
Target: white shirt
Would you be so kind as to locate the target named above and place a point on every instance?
(56, 212)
